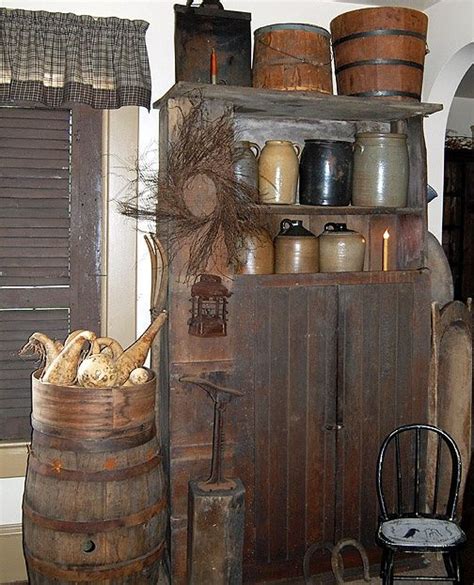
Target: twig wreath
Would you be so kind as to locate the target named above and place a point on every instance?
(201, 147)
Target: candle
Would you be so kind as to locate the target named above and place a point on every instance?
(386, 236)
(213, 67)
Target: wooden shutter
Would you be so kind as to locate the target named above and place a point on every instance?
(41, 219)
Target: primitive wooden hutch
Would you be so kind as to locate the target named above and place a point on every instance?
(329, 363)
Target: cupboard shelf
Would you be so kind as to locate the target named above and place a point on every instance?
(342, 210)
(300, 104)
(365, 277)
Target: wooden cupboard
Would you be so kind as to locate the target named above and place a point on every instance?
(329, 363)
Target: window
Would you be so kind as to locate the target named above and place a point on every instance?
(50, 240)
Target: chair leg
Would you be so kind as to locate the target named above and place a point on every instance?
(457, 565)
(386, 568)
(448, 564)
(452, 563)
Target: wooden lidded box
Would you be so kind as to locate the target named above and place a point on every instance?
(201, 29)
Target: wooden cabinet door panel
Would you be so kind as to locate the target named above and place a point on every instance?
(384, 349)
(290, 348)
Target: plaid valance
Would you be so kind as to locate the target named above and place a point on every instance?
(55, 58)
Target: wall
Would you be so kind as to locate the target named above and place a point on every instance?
(461, 116)
(451, 28)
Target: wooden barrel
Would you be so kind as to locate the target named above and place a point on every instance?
(292, 57)
(380, 52)
(94, 509)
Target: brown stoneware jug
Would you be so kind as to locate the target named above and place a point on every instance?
(246, 163)
(257, 254)
(278, 170)
(340, 249)
(381, 170)
(296, 249)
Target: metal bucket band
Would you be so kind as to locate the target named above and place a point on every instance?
(46, 436)
(93, 573)
(413, 64)
(386, 93)
(380, 32)
(72, 527)
(55, 469)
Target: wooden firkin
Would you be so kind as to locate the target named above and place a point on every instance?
(215, 535)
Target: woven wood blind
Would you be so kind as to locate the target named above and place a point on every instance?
(38, 245)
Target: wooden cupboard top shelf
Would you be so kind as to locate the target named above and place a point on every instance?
(301, 104)
(340, 210)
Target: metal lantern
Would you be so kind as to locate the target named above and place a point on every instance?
(208, 310)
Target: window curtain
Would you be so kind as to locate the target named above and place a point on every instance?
(57, 58)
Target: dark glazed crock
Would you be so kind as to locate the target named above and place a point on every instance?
(326, 172)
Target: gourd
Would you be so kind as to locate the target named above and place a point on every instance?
(112, 366)
(63, 368)
(135, 355)
(98, 370)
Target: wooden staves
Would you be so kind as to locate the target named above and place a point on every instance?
(95, 501)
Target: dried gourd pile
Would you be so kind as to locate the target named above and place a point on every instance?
(94, 362)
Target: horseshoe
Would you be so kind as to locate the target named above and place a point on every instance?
(338, 564)
(307, 557)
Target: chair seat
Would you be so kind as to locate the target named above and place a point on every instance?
(420, 533)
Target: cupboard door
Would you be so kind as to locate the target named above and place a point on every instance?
(384, 350)
(289, 354)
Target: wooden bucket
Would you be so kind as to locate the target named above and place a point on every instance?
(292, 57)
(380, 52)
(94, 509)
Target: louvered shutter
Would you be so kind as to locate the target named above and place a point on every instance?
(38, 189)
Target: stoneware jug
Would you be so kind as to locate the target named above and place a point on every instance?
(278, 169)
(381, 170)
(326, 172)
(296, 249)
(340, 249)
(257, 254)
(246, 163)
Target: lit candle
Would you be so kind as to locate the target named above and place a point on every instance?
(386, 236)
(213, 67)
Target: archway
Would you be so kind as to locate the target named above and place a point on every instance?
(443, 91)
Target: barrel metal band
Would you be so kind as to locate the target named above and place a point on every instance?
(386, 93)
(94, 573)
(47, 436)
(380, 62)
(94, 527)
(378, 32)
(54, 469)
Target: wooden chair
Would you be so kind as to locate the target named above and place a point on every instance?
(418, 498)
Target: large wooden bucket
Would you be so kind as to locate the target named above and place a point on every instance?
(292, 57)
(380, 52)
(94, 509)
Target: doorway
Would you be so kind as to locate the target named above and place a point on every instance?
(458, 200)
